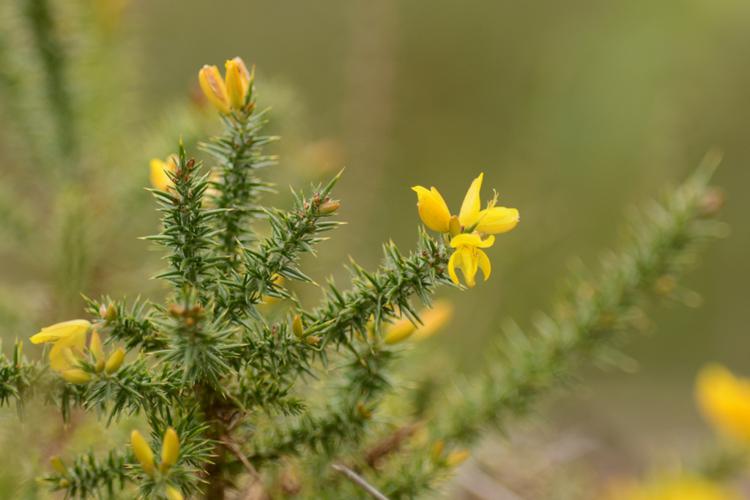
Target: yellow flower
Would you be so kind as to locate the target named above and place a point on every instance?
(433, 319)
(76, 376)
(232, 91)
(672, 488)
(142, 452)
(95, 346)
(469, 257)
(237, 82)
(435, 214)
(170, 449)
(69, 339)
(399, 331)
(456, 458)
(173, 493)
(213, 88)
(114, 361)
(159, 172)
(724, 400)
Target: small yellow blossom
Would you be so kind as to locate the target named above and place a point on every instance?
(114, 361)
(173, 493)
(142, 452)
(237, 82)
(96, 348)
(435, 214)
(433, 319)
(213, 87)
(724, 400)
(69, 339)
(672, 488)
(298, 328)
(170, 450)
(456, 458)
(399, 331)
(436, 453)
(469, 257)
(76, 376)
(159, 172)
(229, 93)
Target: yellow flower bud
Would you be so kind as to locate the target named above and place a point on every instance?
(76, 376)
(432, 209)
(213, 88)
(108, 312)
(57, 464)
(159, 174)
(115, 361)
(434, 319)
(399, 331)
(237, 82)
(95, 346)
(329, 206)
(142, 452)
(170, 450)
(437, 450)
(297, 327)
(456, 458)
(173, 493)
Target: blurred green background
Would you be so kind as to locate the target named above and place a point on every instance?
(576, 111)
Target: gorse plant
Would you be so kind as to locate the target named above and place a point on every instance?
(240, 395)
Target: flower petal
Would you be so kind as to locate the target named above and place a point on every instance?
(237, 82)
(470, 207)
(55, 332)
(497, 220)
(214, 88)
(452, 263)
(484, 264)
(432, 209)
(471, 240)
(469, 265)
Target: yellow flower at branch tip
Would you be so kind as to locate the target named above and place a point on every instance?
(399, 331)
(142, 452)
(173, 493)
(213, 87)
(237, 82)
(114, 362)
(724, 400)
(456, 458)
(67, 337)
(469, 258)
(434, 319)
(159, 172)
(672, 488)
(170, 450)
(76, 376)
(435, 214)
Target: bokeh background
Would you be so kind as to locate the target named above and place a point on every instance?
(576, 111)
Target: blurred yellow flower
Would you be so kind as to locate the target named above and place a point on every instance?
(724, 400)
(435, 214)
(68, 338)
(170, 450)
(232, 91)
(433, 319)
(142, 452)
(159, 172)
(114, 361)
(469, 257)
(672, 488)
(172, 493)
